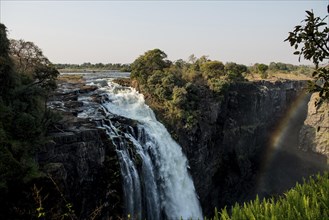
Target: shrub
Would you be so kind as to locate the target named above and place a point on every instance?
(309, 200)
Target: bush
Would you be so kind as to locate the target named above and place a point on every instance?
(309, 200)
(218, 85)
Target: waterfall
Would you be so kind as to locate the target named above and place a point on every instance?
(156, 182)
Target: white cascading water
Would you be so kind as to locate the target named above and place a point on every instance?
(158, 186)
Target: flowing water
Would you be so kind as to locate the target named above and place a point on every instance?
(156, 181)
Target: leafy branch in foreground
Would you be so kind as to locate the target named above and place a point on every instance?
(310, 41)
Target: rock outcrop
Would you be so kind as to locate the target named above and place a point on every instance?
(314, 135)
(79, 160)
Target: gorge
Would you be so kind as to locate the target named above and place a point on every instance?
(247, 144)
(232, 134)
(224, 153)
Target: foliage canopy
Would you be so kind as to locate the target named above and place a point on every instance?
(177, 88)
(26, 78)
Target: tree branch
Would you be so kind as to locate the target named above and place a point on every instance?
(320, 46)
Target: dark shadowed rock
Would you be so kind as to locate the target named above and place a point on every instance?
(227, 148)
(80, 160)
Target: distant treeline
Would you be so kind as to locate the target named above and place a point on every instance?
(273, 67)
(97, 66)
(284, 67)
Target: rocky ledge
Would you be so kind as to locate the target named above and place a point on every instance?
(79, 159)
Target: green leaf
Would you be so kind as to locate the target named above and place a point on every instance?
(297, 28)
(309, 13)
(321, 24)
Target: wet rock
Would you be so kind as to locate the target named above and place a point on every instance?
(87, 89)
(73, 104)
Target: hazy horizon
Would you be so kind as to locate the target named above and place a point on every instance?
(75, 32)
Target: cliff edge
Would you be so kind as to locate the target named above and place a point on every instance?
(314, 135)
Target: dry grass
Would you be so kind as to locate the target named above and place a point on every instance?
(278, 76)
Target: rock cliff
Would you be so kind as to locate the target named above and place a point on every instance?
(79, 161)
(245, 143)
(233, 140)
(314, 135)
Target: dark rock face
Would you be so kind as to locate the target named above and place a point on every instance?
(81, 161)
(226, 149)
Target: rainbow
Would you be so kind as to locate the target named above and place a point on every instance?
(279, 138)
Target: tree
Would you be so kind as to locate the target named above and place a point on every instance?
(31, 62)
(262, 68)
(212, 69)
(234, 71)
(7, 76)
(4, 42)
(192, 59)
(180, 63)
(160, 84)
(27, 55)
(310, 41)
(234, 67)
(179, 97)
(146, 64)
(26, 78)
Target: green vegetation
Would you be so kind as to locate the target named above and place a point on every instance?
(176, 88)
(309, 200)
(310, 41)
(262, 68)
(179, 90)
(93, 67)
(26, 78)
(279, 70)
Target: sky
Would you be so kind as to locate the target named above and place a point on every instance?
(244, 32)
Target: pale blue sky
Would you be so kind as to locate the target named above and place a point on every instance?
(119, 31)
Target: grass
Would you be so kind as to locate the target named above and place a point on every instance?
(278, 76)
(309, 200)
